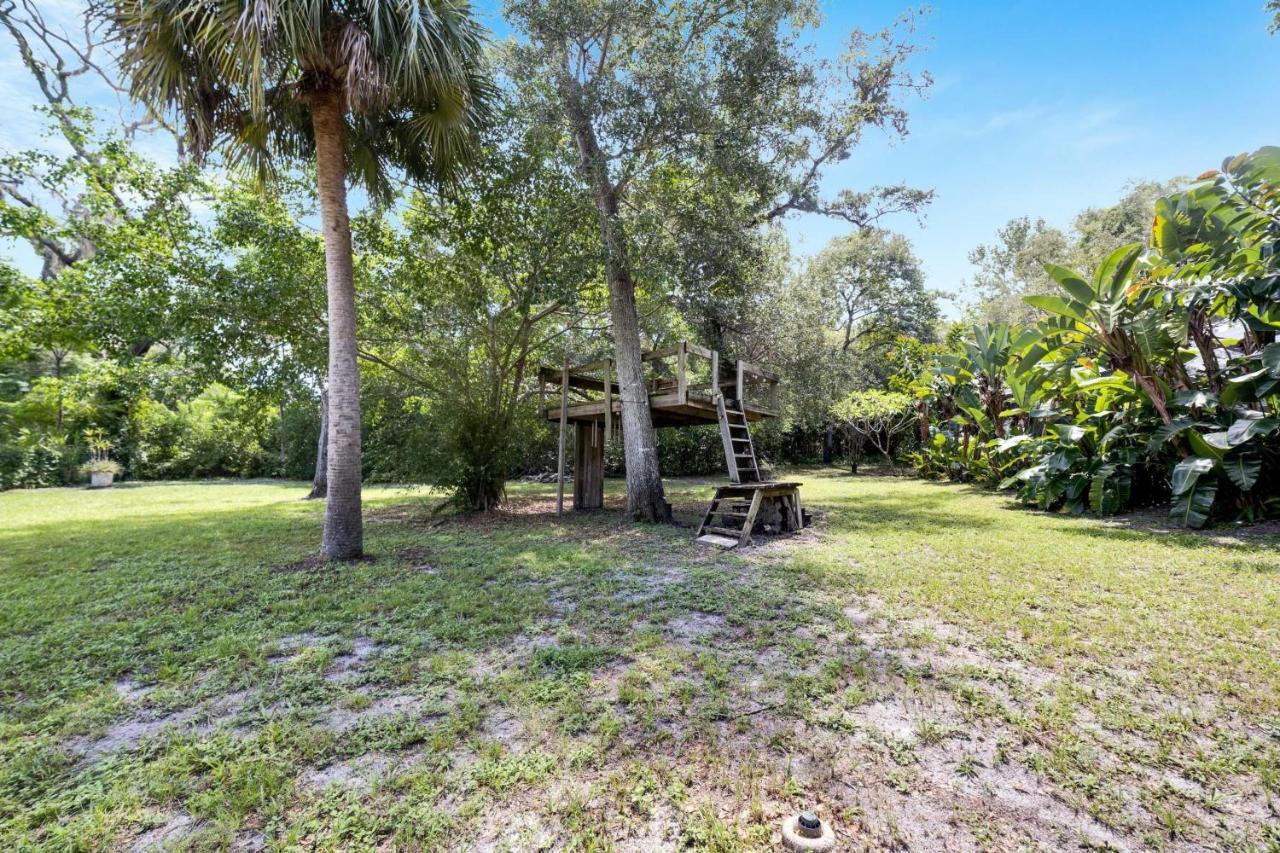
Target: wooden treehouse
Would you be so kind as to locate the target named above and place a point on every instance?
(688, 385)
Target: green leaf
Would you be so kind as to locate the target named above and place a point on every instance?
(1193, 492)
(1070, 433)
(1072, 283)
(1196, 399)
(1113, 272)
(1243, 467)
(1011, 442)
(1057, 305)
(1026, 339)
(1203, 446)
(1271, 360)
(1166, 432)
(1098, 489)
(1032, 358)
(1187, 472)
(1246, 428)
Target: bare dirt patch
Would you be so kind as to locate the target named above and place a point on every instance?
(169, 835)
(127, 734)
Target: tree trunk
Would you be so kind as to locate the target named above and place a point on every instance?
(828, 444)
(1201, 330)
(343, 528)
(645, 498)
(320, 481)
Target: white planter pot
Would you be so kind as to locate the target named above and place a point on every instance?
(100, 479)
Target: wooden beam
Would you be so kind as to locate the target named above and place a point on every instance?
(657, 354)
(608, 400)
(576, 380)
(564, 422)
(698, 350)
(741, 387)
(715, 373)
(682, 376)
(588, 467)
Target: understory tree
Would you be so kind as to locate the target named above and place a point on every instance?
(468, 296)
(359, 90)
(695, 93)
(874, 417)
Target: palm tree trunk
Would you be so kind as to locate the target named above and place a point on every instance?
(343, 527)
(645, 498)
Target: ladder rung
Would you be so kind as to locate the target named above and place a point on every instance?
(727, 531)
(747, 440)
(729, 514)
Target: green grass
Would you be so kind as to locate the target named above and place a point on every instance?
(173, 669)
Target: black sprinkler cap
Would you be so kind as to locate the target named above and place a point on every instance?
(809, 824)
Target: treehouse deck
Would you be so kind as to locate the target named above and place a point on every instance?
(680, 395)
(688, 384)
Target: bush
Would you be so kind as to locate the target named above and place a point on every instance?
(220, 433)
(36, 461)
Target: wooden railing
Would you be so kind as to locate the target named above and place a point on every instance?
(675, 375)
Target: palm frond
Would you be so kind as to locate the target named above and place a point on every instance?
(238, 76)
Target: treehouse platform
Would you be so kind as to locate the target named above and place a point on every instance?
(688, 385)
(681, 390)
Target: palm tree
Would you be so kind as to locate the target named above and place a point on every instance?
(360, 87)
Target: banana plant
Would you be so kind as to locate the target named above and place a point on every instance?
(1234, 447)
(989, 355)
(1119, 315)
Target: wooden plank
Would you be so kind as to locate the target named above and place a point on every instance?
(715, 539)
(588, 466)
(715, 373)
(727, 531)
(682, 376)
(715, 501)
(564, 422)
(659, 354)
(726, 439)
(699, 350)
(576, 380)
(741, 387)
(756, 500)
(757, 370)
(608, 400)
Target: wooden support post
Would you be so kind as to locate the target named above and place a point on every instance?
(741, 389)
(588, 466)
(682, 376)
(564, 422)
(715, 374)
(608, 400)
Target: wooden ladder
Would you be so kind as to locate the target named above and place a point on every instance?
(739, 452)
(721, 534)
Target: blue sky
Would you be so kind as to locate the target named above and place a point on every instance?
(1038, 108)
(1044, 109)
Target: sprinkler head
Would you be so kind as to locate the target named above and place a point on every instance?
(806, 833)
(809, 825)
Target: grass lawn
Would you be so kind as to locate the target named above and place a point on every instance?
(928, 665)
